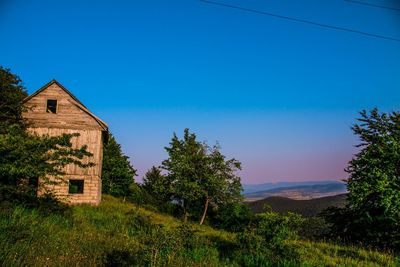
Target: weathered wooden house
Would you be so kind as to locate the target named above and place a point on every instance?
(53, 110)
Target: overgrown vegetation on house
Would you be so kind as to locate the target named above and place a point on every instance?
(26, 157)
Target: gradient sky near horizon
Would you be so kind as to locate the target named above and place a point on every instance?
(280, 96)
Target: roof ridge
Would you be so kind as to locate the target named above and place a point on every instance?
(47, 85)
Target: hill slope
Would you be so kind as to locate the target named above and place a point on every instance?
(124, 234)
(308, 208)
(114, 233)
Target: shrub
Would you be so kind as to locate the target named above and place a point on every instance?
(314, 228)
(265, 241)
(276, 229)
(233, 217)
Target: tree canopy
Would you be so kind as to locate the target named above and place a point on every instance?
(12, 93)
(157, 185)
(117, 172)
(373, 214)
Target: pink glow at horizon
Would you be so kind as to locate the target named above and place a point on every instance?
(295, 168)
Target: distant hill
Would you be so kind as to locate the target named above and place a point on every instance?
(310, 207)
(252, 188)
(300, 191)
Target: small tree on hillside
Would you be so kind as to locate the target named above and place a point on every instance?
(117, 172)
(219, 183)
(157, 185)
(200, 176)
(185, 167)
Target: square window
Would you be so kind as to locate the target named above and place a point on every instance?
(51, 106)
(76, 186)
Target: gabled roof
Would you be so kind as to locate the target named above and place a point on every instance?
(77, 103)
(47, 85)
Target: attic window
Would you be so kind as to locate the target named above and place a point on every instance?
(51, 106)
(76, 186)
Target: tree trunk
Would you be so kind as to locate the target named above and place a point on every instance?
(205, 211)
(185, 213)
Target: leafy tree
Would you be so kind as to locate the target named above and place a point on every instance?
(199, 174)
(185, 169)
(157, 185)
(12, 92)
(373, 213)
(219, 183)
(117, 172)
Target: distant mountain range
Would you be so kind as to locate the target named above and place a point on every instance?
(307, 208)
(294, 190)
(251, 188)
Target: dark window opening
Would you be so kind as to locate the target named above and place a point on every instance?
(75, 186)
(51, 106)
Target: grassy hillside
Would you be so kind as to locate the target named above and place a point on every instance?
(310, 207)
(124, 234)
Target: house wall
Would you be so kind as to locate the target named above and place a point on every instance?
(70, 118)
(91, 176)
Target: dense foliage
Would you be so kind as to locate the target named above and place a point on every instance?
(157, 186)
(232, 216)
(373, 214)
(12, 93)
(26, 157)
(117, 172)
(267, 238)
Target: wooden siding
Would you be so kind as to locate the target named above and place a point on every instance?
(91, 191)
(68, 115)
(91, 138)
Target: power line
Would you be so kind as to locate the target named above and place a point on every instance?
(373, 5)
(301, 20)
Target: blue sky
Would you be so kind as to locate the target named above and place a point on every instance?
(278, 95)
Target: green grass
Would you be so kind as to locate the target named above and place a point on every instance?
(123, 234)
(327, 254)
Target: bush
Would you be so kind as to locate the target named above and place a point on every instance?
(233, 217)
(276, 229)
(314, 228)
(265, 241)
(352, 226)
